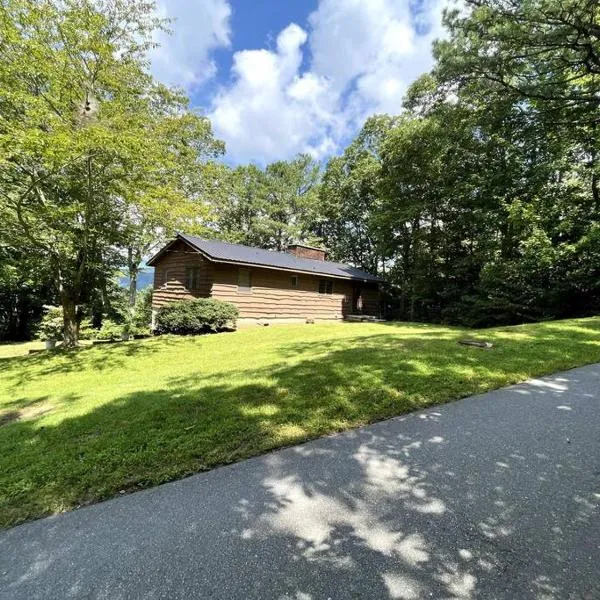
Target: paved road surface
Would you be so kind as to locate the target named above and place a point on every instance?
(495, 496)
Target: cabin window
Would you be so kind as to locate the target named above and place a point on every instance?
(294, 281)
(167, 275)
(244, 281)
(325, 286)
(192, 276)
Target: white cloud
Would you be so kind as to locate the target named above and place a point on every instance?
(361, 58)
(272, 111)
(197, 27)
(350, 37)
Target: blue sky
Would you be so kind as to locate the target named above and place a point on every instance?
(253, 25)
(281, 77)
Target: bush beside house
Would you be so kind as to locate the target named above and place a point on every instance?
(200, 315)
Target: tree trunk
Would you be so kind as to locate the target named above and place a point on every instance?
(593, 164)
(133, 268)
(71, 325)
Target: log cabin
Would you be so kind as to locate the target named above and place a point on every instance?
(298, 285)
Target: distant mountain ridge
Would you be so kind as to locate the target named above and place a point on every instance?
(145, 279)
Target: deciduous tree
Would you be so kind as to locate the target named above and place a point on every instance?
(93, 151)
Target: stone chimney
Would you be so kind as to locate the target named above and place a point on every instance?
(302, 251)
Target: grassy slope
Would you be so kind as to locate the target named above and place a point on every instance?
(18, 349)
(80, 426)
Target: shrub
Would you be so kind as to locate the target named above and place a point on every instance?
(141, 331)
(86, 331)
(109, 330)
(51, 326)
(142, 314)
(195, 316)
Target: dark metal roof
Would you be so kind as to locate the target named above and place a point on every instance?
(245, 255)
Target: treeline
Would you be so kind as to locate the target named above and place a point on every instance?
(479, 202)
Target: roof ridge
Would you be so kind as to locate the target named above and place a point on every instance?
(285, 252)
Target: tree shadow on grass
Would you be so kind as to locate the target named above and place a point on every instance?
(196, 422)
(480, 499)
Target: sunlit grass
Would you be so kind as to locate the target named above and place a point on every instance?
(82, 425)
(8, 350)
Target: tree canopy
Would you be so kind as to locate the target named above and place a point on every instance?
(484, 193)
(94, 153)
(270, 207)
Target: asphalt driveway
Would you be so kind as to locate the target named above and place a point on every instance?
(495, 496)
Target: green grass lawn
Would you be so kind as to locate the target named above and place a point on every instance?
(11, 350)
(78, 426)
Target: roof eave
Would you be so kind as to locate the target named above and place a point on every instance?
(150, 262)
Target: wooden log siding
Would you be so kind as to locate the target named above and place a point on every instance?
(272, 295)
(175, 263)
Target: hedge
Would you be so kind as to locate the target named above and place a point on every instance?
(195, 316)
